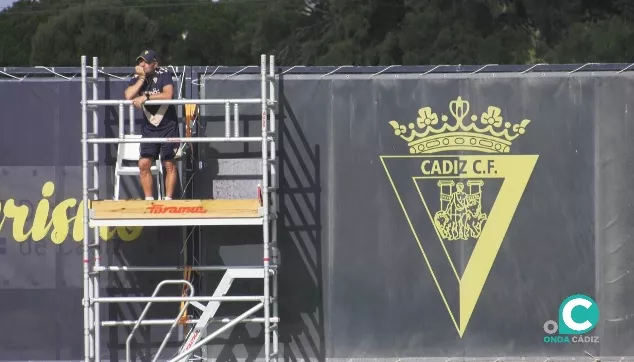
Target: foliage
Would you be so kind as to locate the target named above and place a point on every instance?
(318, 32)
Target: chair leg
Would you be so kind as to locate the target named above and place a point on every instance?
(116, 187)
(160, 176)
(159, 187)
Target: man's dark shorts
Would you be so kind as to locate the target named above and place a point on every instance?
(167, 150)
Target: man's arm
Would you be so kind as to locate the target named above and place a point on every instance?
(133, 89)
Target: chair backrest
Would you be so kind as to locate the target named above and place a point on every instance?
(129, 151)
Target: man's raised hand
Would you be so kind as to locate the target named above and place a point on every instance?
(139, 71)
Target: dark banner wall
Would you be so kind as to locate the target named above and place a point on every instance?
(41, 230)
(557, 205)
(388, 248)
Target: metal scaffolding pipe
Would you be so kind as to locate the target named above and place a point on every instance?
(169, 268)
(265, 196)
(131, 111)
(88, 342)
(227, 120)
(177, 299)
(175, 139)
(161, 322)
(236, 121)
(114, 102)
(121, 121)
(96, 251)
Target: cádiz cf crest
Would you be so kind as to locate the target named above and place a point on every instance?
(459, 188)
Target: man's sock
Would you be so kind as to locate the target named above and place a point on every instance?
(167, 198)
(149, 198)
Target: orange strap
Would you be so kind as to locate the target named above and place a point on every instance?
(190, 115)
(260, 195)
(187, 276)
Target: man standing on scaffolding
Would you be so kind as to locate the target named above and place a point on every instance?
(152, 82)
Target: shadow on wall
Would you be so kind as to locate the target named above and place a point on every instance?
(301, 307)
(299, 236)
(300, 233)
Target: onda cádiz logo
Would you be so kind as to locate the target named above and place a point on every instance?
(458, 188)
(578, 314)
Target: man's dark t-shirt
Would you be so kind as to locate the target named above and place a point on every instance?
(161, 121)
(157, 117)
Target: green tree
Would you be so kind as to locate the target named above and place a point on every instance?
(18, 24)
(607, 40)
(318, 32)
(116, 35)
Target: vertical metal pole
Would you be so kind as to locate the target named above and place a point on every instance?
(84, 169)
(236, 121)
(227, 119)
(131, 110)
(274, 201)
(182, 179)
(181, 131)
(97, 251)
(265, 198)
(121, 120)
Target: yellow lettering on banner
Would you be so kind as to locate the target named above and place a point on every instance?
(60, 221)
(19, 215)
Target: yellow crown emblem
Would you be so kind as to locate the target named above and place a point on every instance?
(491, 134)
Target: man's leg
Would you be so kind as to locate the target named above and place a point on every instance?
(147, 181)
(170, 178)
(168, 152)
(149, 152)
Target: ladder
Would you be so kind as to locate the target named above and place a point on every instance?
(260, 210)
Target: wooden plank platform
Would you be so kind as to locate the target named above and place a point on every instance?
(174, 212)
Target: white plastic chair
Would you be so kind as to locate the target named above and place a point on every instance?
(131, 152)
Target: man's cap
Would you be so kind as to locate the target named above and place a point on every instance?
(148, 55)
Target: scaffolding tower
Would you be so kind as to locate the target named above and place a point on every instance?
(260, 210)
